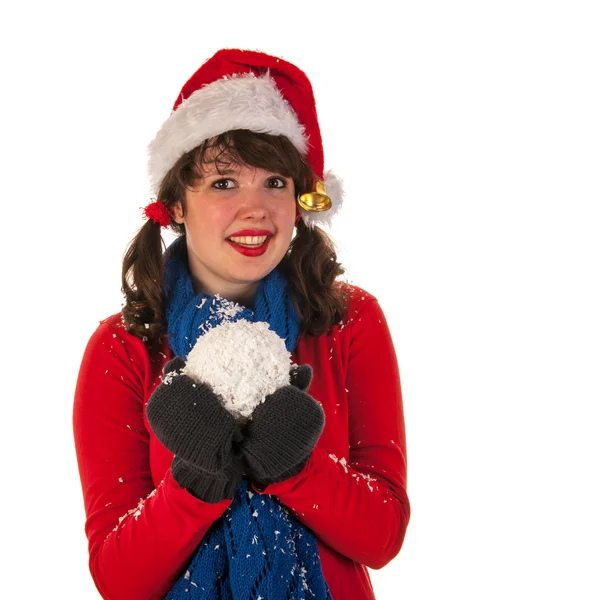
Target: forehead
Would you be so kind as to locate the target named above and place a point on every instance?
(219, 159)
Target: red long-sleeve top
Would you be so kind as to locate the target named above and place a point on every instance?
(143, 528)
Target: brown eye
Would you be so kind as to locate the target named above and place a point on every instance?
(222, 184)
(277, 182)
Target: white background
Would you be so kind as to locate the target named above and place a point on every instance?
(468, 136)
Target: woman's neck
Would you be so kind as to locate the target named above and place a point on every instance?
(243, 295)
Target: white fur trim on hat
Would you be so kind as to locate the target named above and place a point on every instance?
(238, 102)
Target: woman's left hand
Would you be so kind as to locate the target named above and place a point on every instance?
(283, 431)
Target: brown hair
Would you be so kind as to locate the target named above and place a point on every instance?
(310, 266)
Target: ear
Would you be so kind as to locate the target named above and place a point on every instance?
(178, 213)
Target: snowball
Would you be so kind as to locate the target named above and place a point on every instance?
(243, 362)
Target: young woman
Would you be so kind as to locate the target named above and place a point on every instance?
(182, 498)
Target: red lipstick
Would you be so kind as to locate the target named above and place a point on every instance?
(258, 251)
(251, 232)
(247, 251)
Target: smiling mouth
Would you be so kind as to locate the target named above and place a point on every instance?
(255, 241)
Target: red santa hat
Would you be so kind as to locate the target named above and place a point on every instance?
(243, 89)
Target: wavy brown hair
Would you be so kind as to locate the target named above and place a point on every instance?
(310, 265)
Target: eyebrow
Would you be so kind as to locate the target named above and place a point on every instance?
(213, 171)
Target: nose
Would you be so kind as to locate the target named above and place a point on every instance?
(254, 203)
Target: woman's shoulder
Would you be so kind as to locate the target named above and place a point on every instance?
(113, 330)
(361, 310)
(113, 322)
(111, 348)
(111, 335)
(356, 298)
(113, 327)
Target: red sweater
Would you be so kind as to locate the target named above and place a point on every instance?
(143, 528)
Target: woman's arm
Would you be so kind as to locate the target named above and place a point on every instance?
(358, 506)
(140, 536)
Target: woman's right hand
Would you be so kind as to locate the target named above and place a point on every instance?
(189, 419)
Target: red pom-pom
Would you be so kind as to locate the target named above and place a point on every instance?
(158, 212)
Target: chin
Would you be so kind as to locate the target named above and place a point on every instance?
(253, 275)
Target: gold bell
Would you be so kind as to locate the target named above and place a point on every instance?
(317, 200)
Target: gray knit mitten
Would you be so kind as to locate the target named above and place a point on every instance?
(283, 431)
(301, 376)
(188, 418)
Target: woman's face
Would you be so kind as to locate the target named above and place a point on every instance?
(244, 203)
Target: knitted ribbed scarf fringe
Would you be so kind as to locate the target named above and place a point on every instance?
(257, 548)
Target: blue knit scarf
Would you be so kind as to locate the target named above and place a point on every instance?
(257, 549)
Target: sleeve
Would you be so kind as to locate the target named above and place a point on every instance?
(140, 537)
(359, 507)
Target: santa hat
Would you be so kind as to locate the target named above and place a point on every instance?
(243, 89)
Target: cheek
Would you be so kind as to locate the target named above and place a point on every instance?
(218, 216)
(287, 210)
(204, 228)
(286, 222)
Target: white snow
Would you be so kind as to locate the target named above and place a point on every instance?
(243, 362)
(168, 378)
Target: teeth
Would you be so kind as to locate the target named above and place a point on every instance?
(254, 240)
